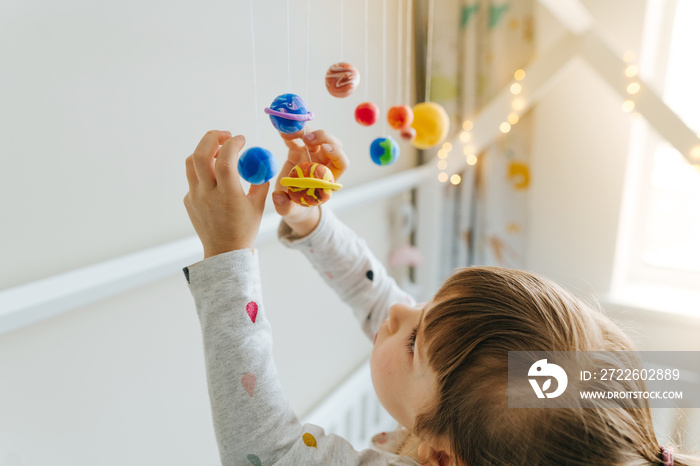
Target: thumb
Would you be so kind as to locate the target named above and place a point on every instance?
(283, 205)
(257, 194)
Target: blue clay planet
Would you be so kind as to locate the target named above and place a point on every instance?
(257, 165)
(384, 151)
(288, 113)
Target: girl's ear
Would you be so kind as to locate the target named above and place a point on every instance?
(435, 454)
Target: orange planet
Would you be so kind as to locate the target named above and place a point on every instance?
(342, 79)
(400, 116)
(310, 184)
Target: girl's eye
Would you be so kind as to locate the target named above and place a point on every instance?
(411, 341)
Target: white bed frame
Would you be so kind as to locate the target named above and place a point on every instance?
(353, 411)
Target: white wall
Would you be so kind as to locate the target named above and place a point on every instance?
(579, 159)
(579, 153)
(99, 106)
(101, 103)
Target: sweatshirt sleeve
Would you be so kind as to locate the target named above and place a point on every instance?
(253, 421)
(348, 265)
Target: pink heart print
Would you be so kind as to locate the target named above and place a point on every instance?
(252, 309)
(248, 382)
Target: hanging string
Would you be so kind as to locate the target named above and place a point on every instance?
(289, 54)
(366, 79)
(409, 8)
(342, 28)
(308, 45)
(384, 61)
(255, 79)
(399, 51)
(429, 53)
(308, 59)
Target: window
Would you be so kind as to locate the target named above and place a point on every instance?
(660, 234)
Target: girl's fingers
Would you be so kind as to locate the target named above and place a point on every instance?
(297, 154)
(227, 164)
(337, 161)
(319, 146)
(205, 154)
(257, 195)
(328, 150)
(283, 205)
(297, 151)
(288, 208)
(316, 138)
(191, 174)
(286, 168)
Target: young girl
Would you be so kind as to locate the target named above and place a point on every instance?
(439, 369)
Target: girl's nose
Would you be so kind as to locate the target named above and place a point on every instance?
(397, 313)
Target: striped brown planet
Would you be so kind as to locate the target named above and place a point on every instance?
(342, 79)
(310, 184)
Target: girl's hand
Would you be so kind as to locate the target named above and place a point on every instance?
(224, 217)
(323, 148)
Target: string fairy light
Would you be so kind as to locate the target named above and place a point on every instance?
(633, 87)
(513, 118)
(628, 105)
(695, 154)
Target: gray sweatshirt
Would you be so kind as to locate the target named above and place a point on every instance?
(253, 421)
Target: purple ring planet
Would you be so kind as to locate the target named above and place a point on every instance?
(288, 113)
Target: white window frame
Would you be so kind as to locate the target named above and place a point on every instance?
(664, 288)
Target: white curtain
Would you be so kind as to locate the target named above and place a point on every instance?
(478, 46)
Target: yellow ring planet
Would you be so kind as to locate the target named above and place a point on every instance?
(431, 123)
(313, 183)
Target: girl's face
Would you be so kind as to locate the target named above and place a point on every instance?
(405, 384)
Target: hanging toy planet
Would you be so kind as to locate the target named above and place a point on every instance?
(366, 114)
(310, 184)
(257, 165)
(408, 134)
(342, 79)
(384, 151)
(400, 117)
(431, 123)
(288, 113)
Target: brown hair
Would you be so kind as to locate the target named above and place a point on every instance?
(481, 313)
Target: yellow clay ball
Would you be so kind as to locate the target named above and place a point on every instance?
(431, 123)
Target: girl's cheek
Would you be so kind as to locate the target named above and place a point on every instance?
(382, 363)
